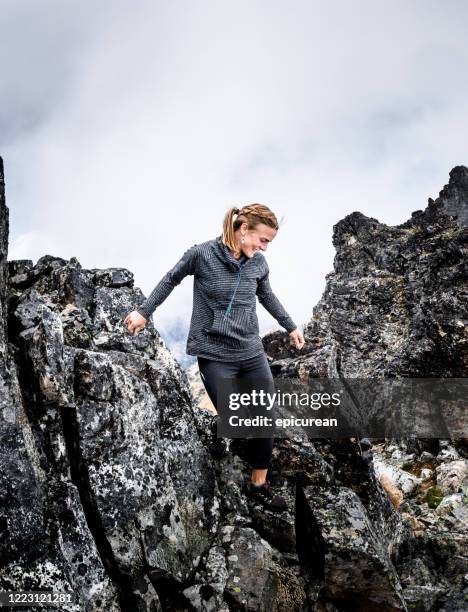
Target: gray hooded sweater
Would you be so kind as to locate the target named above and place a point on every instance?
(224, 324)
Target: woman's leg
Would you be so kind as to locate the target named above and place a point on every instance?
(260, 449)
(210, 373)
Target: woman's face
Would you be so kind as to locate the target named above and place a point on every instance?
(256, 239)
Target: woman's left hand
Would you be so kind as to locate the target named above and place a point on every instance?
(297, 338)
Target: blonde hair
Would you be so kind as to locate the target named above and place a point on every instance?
(253, 214)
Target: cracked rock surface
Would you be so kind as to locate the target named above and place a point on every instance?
(108, 488)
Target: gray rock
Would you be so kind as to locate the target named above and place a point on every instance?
(407, 483)
(455, 507)
(425, 456)
(270, 586)
(448, 454)
(350, 553)
(452, 476)
(426, 473)
(454, 196)
(107, 484)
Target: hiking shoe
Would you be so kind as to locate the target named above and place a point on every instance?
(265, 496)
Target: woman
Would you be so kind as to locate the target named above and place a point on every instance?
(229, 272)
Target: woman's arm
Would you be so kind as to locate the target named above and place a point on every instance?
(137, 319)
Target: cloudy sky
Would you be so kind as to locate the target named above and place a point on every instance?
(128, 128)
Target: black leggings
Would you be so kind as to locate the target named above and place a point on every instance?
(259, 449)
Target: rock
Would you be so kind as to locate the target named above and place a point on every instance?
(394, 306)
(394, 493)
(455, 506)
(98, 438)
(112, 277)
(278, 346)
(451, 476)
(109, 486)
(396, 478)
(425, 456)
(419, 591)
(426, 474)
(206, 594)
(45, 541)
(270, 587)
(393, 289)
(448, 454)
(348, 551)
(416, 526)
(454, 195)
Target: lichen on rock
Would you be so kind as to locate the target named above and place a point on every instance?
(108, 485)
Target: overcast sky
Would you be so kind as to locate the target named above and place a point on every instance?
(129, 128)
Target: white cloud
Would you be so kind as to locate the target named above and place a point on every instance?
(155, 118)
(33, 245)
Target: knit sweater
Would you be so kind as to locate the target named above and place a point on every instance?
(224, 324)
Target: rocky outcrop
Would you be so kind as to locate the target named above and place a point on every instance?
(99, 494)
(454, 196)
(395, 305)
(110, 425)
(109, 485)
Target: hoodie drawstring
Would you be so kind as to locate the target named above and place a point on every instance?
(229, 308)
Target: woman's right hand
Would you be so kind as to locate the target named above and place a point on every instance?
(135, 322)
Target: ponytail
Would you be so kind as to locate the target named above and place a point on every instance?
(253, 214)
(229, 228)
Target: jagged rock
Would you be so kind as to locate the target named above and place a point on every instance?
(348, 554)
(419, 591)
(226, 580)
(426, 474)
(149, 516)
(152, 505)
(394, 493)
(270, 586)
(454, 508)
(109, 484)
(394, 306)
(112, 277)
(231, 472)
(451, 476)
(444, 554)
(102, 430)
(448, 454)
(300, 460)
(454, 195)
(404, 481)
(45, 542)
(278, 346)
(206, 595)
